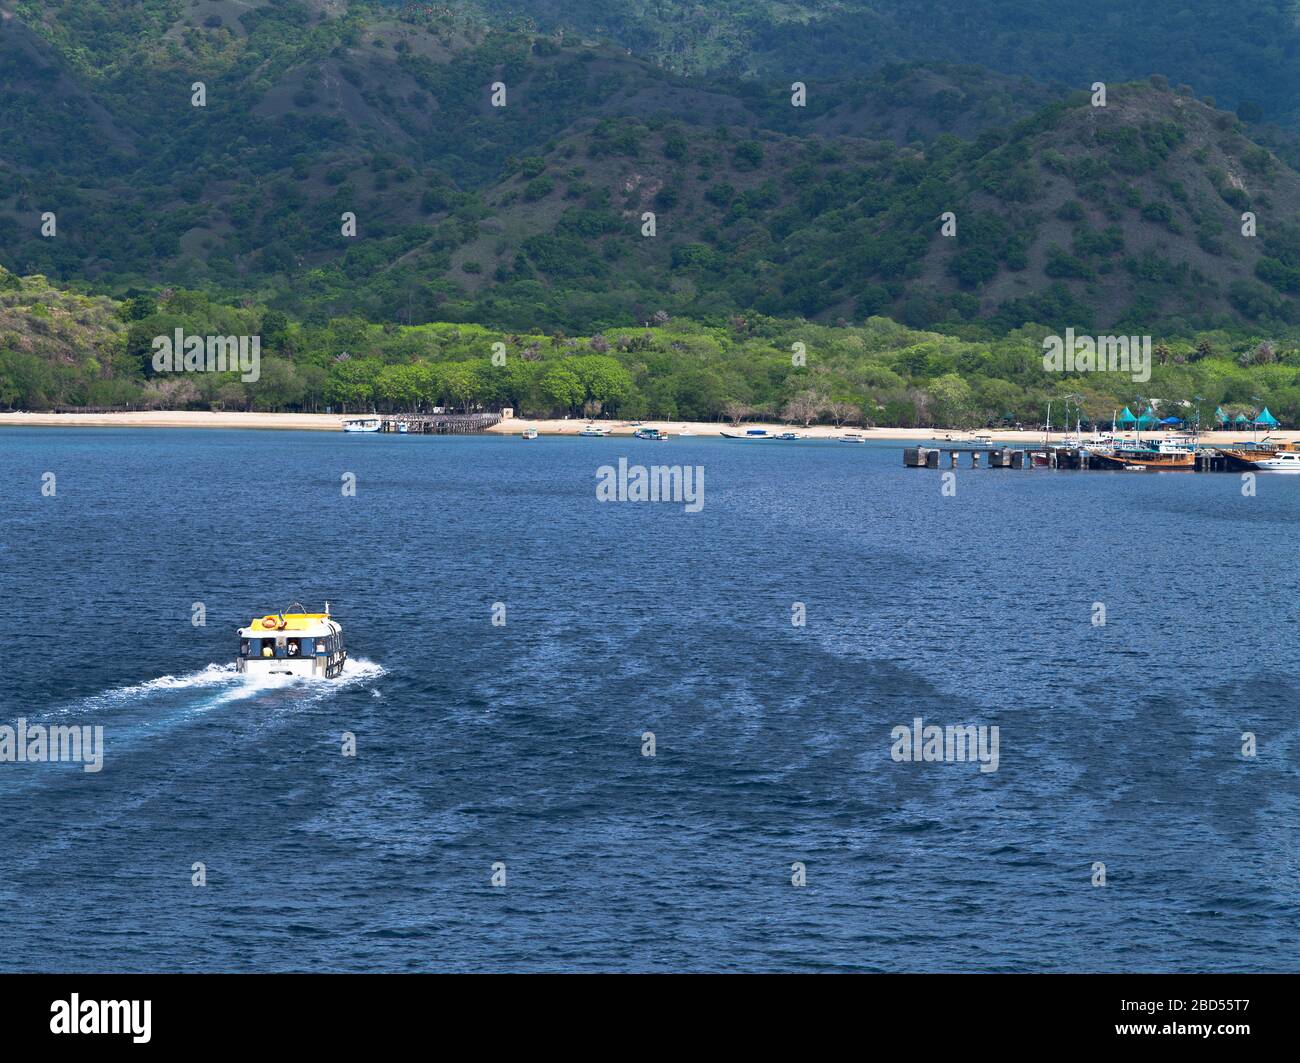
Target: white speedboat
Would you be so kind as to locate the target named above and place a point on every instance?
(749, 433)
(528, 433)
(363, 424)
(307, 645)
(853, 437)
(594, 431)
(1282, 461)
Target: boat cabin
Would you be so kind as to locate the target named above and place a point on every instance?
(294, 644)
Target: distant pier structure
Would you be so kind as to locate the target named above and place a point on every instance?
(442, 424)
(946, 457)
(1054, 457)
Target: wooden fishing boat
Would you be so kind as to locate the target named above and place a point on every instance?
(1140, 459)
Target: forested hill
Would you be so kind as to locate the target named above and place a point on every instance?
(1243, 52)
(532, 215)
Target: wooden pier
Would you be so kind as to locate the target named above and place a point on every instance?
(946, 457)
(1207, 460)
(442, 424)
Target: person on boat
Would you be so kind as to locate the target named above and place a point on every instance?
(267, 649)
(292, 648)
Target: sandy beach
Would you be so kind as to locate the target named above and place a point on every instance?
(326, 422)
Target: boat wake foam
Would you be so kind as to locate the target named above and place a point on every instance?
(226, 684)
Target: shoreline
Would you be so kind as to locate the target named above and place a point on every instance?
(333, 422)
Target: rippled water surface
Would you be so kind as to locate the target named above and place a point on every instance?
(477, 744)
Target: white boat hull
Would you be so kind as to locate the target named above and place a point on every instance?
(293, 667)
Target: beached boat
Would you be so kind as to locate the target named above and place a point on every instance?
(309, 645)
(650, 433)
(363, 424)
(528, 433)
(594, 431)
(749, 433)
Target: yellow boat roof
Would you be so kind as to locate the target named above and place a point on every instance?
(292, 621)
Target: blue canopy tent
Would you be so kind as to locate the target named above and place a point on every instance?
(1172, 420)
(1267, 420)
(1127, 417)
(1221, 417)
(1148, 418)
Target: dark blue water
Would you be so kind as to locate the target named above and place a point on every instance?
(521, 744)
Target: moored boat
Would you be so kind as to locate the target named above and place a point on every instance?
(308, 645)
(749, 433)
(1145, 459)
(1282, 461)
(650, 433)
(363, 424)
(594, 431)
(528, 433)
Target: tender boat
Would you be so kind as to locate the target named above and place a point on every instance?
(528, 433)
(786, 437)
(594, 431)
(853, 437)
(309, 645)
(650, 433)
(751, 433)
(363, 424)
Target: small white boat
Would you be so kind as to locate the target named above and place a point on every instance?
(1282, 461)
(749, 433)
(649, 433)
(528, 433)
(363, 424)
(307, 645)
(853, 437)
(403, 427)
(594, 431)
(787, 437)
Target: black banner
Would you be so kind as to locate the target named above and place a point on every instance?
(338, 1012)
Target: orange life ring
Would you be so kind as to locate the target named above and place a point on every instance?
(271, 621)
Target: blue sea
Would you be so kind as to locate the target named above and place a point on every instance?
(520, 744)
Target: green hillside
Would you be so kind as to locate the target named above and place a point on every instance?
(529, 216)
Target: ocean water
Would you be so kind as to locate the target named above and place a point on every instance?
(521, 744)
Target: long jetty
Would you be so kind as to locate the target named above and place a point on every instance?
(1207, 460)
(443, 424)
